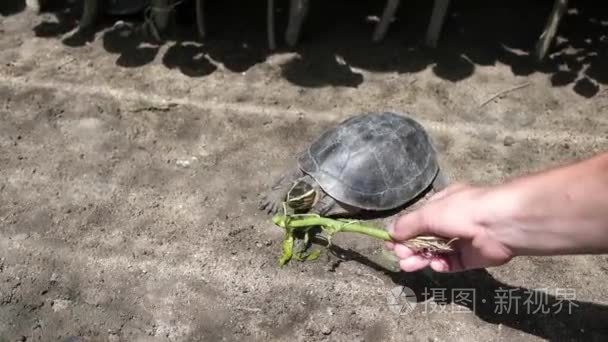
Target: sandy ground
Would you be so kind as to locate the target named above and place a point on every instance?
(130, 174)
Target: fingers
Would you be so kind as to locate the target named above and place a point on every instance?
(440, 264)
(411, 262)
(402, 251)
(438, 217)
(414, 263)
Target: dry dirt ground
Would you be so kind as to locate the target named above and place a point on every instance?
(130, 173)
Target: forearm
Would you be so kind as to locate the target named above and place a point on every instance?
(560, 211)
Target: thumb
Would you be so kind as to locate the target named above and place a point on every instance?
(424, 220)
(409, 225)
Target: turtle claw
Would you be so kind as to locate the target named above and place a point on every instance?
(271, 203)
(270, 207)
(263, 204)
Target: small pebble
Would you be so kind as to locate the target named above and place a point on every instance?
(509, 140)
(326, 330)
(183, 163)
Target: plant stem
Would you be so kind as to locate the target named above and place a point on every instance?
(332, 226)
(335, 225)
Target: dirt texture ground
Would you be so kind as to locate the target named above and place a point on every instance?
(130, 172)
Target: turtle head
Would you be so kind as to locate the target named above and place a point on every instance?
(302, 195)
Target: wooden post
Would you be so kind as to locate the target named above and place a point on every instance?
(34, 5)
(90, 14)
(270, 25)
(546, 38)
(440, 9)
(297, 14)
(387, 16)
(200, 17)
(160, 16)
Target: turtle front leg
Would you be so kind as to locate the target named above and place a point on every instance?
(272, 201)
(328, 206)
(324, 206)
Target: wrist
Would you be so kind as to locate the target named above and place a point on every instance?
(556, 212)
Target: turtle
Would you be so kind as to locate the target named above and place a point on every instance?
(372, 161)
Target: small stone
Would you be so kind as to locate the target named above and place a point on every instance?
(268, 242)
(326, 330)
(509, 141)
(60, 304)
(183, 163)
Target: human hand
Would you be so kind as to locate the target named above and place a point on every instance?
(459, 211)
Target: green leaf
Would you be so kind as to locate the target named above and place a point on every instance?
(313, 255)
(287, 249)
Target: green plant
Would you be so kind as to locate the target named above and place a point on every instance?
(304, 223)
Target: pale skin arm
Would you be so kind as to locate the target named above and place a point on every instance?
(559, 211)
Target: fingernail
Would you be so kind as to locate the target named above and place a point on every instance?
(391, 227)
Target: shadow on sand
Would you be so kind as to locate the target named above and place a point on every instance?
(475, 34)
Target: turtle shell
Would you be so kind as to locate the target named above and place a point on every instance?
(373, 161)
